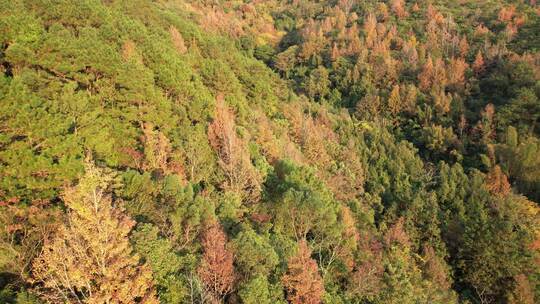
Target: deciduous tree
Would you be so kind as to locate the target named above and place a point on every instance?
(302, 281)
(234, 158)
(90, 259)
(216, 269)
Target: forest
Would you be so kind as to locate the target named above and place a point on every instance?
(270, 151)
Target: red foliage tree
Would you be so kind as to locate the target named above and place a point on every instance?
(366, 279)
(302, 281)
(216, 269)
(398, 7)
(478, 65)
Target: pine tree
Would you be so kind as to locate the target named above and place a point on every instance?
(523, 292)
(90, 259)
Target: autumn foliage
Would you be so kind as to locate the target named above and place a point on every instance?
(216, 269)
(234, 158)
(302, 281)
(89, 259)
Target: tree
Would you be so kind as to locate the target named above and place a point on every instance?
(255, 256)
(256, 291)
(438, 283)
(234, 158)
(402, 276)
(497, 182)
(157, 149)
(523, 292)
(456, 72)
(164, 262)
(398, 7)
(464, 46)
(366, 279)
(90, 259)
(216, 269)
(318, 83)
(302, 281)
(425, 78)
(370, 30)
(394, 101)
(478, 64)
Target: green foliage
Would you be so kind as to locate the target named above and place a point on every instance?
(254, 254)
(370, 126)
(256, 291)
(166, 265)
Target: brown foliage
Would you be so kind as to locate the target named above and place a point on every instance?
(497, 182)
(234, 159)
(409, 51)
(394, 101)
(481, 30)
(177, 40)
(157, 149)
(397, 234)
(347, 181)
(456, 72)
(216, 269)
(366, 280)
(398, 7)
(434, 15)
(23, 229)
(434, 268)
(506, 14)
(370, 30)
(128, 50)
(478, 65)
(216, 20)
(523, 292)
(335, 54)
(90, 259)
(409, 101)
(464, 46)
(425, 78)
(302, 281)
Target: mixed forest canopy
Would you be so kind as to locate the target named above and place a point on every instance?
(279, 151)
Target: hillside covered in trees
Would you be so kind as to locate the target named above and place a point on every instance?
(279, 151)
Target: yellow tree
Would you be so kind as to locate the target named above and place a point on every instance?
(89, 259)
(370, 29)
(394, 100)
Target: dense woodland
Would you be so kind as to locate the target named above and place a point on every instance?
(280, 151)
